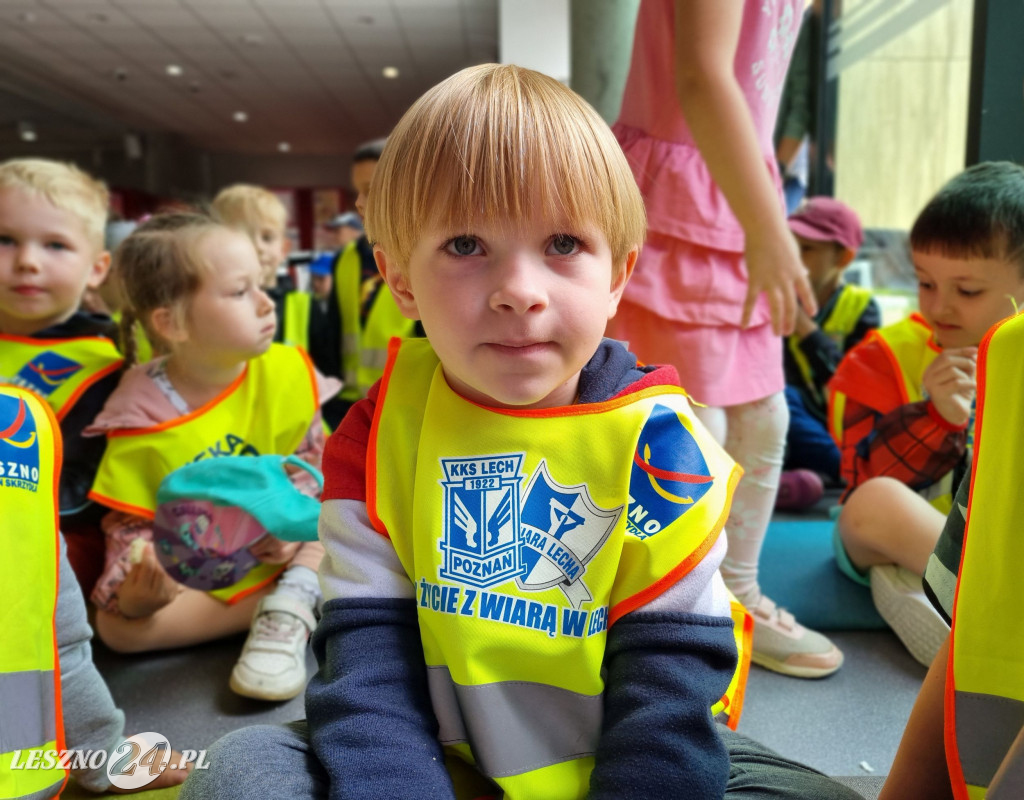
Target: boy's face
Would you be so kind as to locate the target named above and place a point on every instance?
(321, 285)
(514, 315)
(961, 298)
(47, 261)
(824, 261)
(272, 247)
(362, 175)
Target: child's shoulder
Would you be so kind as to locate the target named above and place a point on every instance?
(137, 402)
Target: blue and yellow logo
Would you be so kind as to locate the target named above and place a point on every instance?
(19, 445)
(669, 474)
(47, 372)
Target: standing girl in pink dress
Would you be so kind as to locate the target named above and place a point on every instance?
(719, 278)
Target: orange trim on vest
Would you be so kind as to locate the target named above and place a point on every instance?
(117, 505)
(658, 588)
(77, 394)
(58, 463)
(744, 666)
(894, 362)
(173, 423)
(956, 773)
(371, 452)
(230, 601)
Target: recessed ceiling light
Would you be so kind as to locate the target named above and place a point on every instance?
(174, 70)
(27, 132)
(389, 72)
(195, 87)
(284, 147)
(240, 116)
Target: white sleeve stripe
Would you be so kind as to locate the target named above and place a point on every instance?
(358, 561)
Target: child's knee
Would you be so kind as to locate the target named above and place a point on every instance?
(869, 507)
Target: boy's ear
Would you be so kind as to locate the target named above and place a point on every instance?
(398, 283)
(619, 284)
(846, 256)
(169, 324)
(98, 270)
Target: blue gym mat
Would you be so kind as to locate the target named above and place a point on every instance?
(798, 571)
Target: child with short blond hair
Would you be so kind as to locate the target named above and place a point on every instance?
(522, 524)
(52, 220)
(260, 214)
(195, 286)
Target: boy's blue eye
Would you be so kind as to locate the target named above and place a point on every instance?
(463, 246)
(563, 244)
(970, 292)
(57, 245)
(6, 239)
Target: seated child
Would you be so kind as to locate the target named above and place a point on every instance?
(522, 525)
(903, 400)
(52, 218)
(43, 604)
(224, 389)
(829, 234)
(980, 550)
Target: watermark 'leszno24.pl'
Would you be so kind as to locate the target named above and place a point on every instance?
(136, 762)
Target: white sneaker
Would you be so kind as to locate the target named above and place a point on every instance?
(273, 662)
(900, 599)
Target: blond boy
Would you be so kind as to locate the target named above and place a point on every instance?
(52, 220)
(495, 594)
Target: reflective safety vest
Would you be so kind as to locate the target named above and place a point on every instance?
(58, 370)
(910, 348)
(527, 534)
(30, 709)
(267, 410)
(364, 350)
(297, 307)
(984, 703)
(837, 326)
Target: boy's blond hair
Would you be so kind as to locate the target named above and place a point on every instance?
(250, 208)
(500, 141)
(66, 187)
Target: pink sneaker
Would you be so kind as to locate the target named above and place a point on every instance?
(799, 489)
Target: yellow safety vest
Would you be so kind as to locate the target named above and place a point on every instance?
(267, 410)
(527, 534)
(364, 350)
(297, 307)
(837, 326)
(910, 348)
(58, 370)
(30, 710)
(984, 705)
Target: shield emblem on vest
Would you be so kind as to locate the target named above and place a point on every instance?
(562, 529)
(47, 372)
(481, 519)
(669, 474)
(19, 445)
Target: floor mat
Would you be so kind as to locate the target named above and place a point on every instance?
(798, 571)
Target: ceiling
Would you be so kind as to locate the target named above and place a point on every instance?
(308, 73)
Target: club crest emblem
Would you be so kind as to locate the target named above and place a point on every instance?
(19, 445)
(562, 530)
(669, 474)
(47, 372)
(481, 543)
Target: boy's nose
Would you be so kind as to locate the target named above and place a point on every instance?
(28, 258)
(520, 285)
(263, 302)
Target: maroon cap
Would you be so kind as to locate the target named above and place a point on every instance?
(825, 219)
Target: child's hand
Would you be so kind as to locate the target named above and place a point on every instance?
(273, 551)
(171, 776)
(950, 383)
(146, 588)
(774, 267)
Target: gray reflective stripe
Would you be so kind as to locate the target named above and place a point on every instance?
(515, 726)
(43, 794)
(29, 716)
(374, 359)
(986, 726)
(350, 342)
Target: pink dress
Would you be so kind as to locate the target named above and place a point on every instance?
(684, 303)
